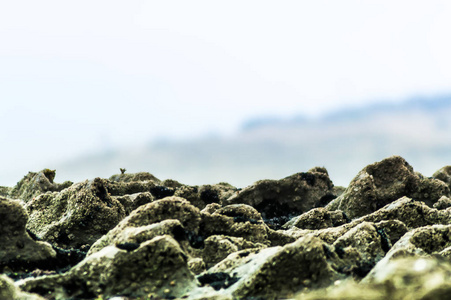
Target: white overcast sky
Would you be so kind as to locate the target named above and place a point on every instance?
(76, 76)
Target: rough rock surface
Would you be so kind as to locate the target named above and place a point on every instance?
(386, 181)
(134, 236)
(18, 251)
(287, 197)
(76, 216)
(34, 184)
(8, 291)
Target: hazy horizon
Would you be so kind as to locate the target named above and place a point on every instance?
(82, 77)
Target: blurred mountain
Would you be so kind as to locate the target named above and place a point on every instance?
(343, 141)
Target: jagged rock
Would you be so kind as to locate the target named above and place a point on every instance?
(425, 241)
(444, 174)
(237, 220)
(196, 265)
(18, 251)
(218, 247)
(76, 216)
(443, 203)
(275, 272)
(206, 194)
(358, 250)
(10, 292)
(157, 268)
(133, 201)
(318, 218)
(403, 278)
(173, 216)
(34, 184)
(383, 182)
(287, 197)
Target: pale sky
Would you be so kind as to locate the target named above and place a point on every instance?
(78, 76)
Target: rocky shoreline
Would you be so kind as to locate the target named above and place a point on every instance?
(133, 236)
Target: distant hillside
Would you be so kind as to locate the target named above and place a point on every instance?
(344, 142)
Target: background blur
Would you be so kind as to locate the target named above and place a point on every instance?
(209, 91)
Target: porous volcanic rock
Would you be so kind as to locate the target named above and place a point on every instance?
(18, 251)
(36, 183)
(289, 196)
(383, 182)
(434, 240)
(201, 196)
(156, 268)
(76, 216)
(238, 220)
(173, 216)
(274, 272)
(386, 236)
(403, 278)
(318, 218)
(218, 247)
(444, 174)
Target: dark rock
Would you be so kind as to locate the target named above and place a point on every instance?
(18, 251)
(287, 197)
(158, 267)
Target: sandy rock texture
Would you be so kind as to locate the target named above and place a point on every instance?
(133, 236)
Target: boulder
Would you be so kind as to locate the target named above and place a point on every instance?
(403, 278)
(237, 220)
(173, 216)
(383, 182)
(273, 272)
(287, 197)
(18, 251)
(444, 175)
(156, 268)
(318, 218)
(76, 216)
(218, 247)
